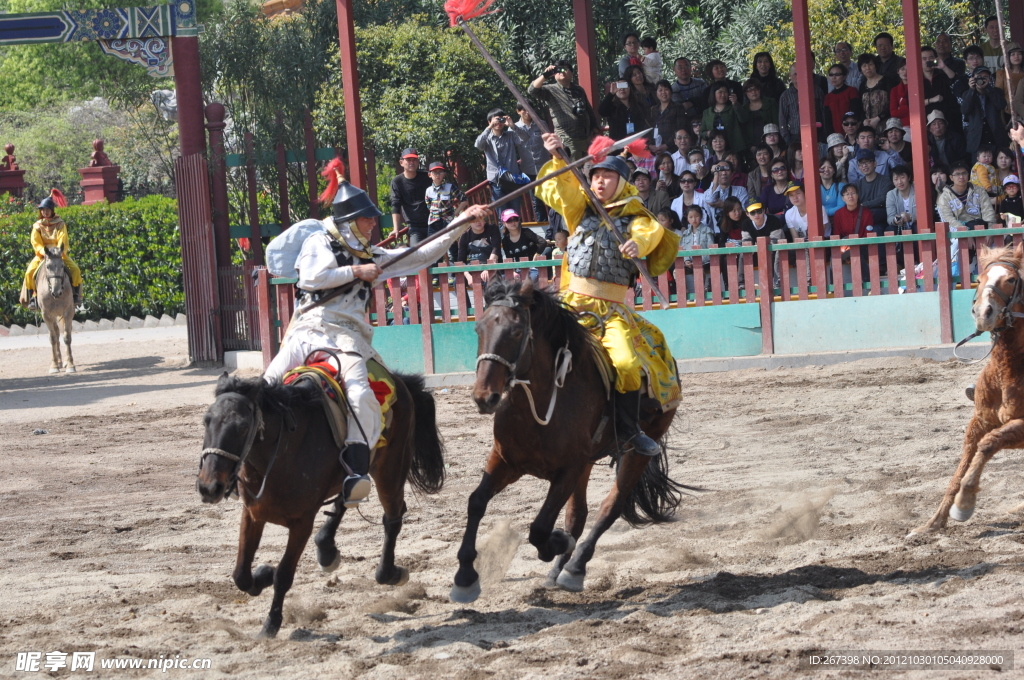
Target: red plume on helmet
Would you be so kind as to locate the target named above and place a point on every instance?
(599, 148)
(467, 9)
(334, 172)
(639, 148)
(58, 198)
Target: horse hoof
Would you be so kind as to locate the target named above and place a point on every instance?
(54, 370)
(571, 582)
(70, 369)
(403, 576)
(460, 595)
(960, 515)
(328, 568)
(267, 633)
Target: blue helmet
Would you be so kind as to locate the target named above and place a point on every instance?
(615, 163)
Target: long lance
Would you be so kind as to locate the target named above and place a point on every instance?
(459, 221)
(584, 184)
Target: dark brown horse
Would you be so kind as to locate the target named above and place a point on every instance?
(274, 444)
(998, 420)
(521, 332)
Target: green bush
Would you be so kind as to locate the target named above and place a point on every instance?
(129, 253)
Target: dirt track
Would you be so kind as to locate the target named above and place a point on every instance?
(816, 475)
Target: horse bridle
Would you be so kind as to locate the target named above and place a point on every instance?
(1006, 314)
(563, 364)
(512, 366)
(255, 426)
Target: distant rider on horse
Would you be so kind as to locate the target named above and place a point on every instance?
(597, 276)
(49, 232)
(341, 256)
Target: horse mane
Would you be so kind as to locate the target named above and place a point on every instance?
(987, 256)
(554, 321)
(276, 398)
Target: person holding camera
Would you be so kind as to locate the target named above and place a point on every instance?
(625, 110)
(506, 149)
(981, 106)
(574, 119)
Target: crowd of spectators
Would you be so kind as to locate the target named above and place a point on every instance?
(726, 163)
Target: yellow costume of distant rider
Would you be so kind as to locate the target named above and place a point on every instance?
(597, 275)
(50, 232)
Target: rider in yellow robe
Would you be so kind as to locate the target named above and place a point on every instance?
(597, 275)
(49, 232)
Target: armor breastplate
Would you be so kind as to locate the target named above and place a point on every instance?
(344, 258)
(594, 253)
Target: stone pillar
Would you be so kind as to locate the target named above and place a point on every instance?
(12, 180)
(99, 180)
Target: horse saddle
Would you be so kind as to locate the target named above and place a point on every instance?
(321, 372)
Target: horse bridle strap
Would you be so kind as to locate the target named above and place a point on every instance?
(563, 364)
(527, 338)
(1006, 313)
(255, 426)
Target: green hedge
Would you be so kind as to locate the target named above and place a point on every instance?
(129, 253)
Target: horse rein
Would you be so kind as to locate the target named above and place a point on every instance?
(1005, 314)
(563, 364)
(255, 425)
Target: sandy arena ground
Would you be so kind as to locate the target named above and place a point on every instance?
(815, 475)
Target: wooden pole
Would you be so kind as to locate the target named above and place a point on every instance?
(918, 127)
(350, 84)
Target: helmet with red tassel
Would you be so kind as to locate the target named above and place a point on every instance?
(54, 200)
(348, 202)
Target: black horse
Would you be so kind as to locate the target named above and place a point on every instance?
(253, 426)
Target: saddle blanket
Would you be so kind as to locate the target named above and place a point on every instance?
(324, 375)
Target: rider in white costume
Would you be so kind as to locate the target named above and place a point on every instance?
(342, 257)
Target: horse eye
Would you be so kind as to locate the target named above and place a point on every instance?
(517, 332)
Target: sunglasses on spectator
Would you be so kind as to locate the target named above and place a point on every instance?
(835, 74)
(757, 211)
(687, 180)
(782, 169)
(849, 123)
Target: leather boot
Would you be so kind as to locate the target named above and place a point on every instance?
(76, 292)
(357, 485)
(33, 304)
(627, 415)
(969, 391)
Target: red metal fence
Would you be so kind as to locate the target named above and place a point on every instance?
(884, 265)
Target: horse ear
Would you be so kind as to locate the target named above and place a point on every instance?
(526, 289)
(1018, 252)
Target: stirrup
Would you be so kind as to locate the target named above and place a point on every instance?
(969, 391)
(33, 304)
(355, 490)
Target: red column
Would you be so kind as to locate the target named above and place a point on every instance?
(1016, 21)
(189, 89)
(808, 123)
(311, 169)
(221, 227)
(918, 130)
(350, 83)
(586, 48)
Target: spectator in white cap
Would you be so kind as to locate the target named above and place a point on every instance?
(444, 201)
(945, 145)
(1011, 203)
(773, 138)
(898, 149)
(839, 151)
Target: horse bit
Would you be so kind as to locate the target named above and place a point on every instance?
(563, 364)
(1005, 313)
(255, 426)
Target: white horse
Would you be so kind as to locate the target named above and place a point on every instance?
(56, 304)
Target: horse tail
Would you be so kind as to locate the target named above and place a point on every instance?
(656, 496)
(427, 470)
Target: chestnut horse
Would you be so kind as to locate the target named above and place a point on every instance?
(998, 420)
(523, 338)
(274, 444)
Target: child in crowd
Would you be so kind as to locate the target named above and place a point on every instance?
(696, 233)
(983, 174)
(653, 64)
(562, 244)
(1012, 207)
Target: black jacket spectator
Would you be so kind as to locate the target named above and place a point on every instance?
(983, 109)
(953, 148)
(480, 247)
(618, 115)
(408, 198)
(528, 245)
